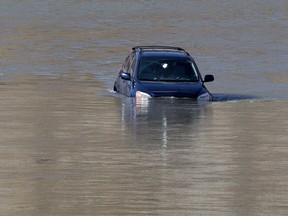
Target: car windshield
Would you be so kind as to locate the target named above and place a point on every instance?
(167, 70)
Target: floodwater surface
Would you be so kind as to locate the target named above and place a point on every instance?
(69, 145)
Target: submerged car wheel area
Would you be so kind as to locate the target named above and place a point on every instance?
(161, 71)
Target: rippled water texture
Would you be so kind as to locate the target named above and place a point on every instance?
(70, 146)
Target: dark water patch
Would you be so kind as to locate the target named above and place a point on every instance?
(221, 97)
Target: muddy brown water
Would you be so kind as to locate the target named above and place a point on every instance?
(70, 146)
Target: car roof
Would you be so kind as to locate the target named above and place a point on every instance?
(161, 51)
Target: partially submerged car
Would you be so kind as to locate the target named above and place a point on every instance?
(161, 71)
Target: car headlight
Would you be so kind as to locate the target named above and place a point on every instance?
(142, 102)
(142, 95)
(204, 97)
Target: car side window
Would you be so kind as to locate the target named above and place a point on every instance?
(126, 64)
(132, 66)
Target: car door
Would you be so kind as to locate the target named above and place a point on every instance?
(129, 67)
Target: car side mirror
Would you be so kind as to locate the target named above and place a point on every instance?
(125, 76)
(208, 78)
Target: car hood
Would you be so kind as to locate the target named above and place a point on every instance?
(172, 89)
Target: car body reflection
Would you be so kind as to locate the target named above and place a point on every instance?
(158, 120)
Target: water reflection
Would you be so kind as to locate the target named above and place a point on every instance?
(163, 119)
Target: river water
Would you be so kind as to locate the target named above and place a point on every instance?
(70, 146)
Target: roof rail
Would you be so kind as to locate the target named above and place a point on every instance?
(159, 47)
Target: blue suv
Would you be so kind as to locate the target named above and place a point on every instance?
(161, 71)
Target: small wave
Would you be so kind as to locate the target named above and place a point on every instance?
(109, 92)
(217, 97)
